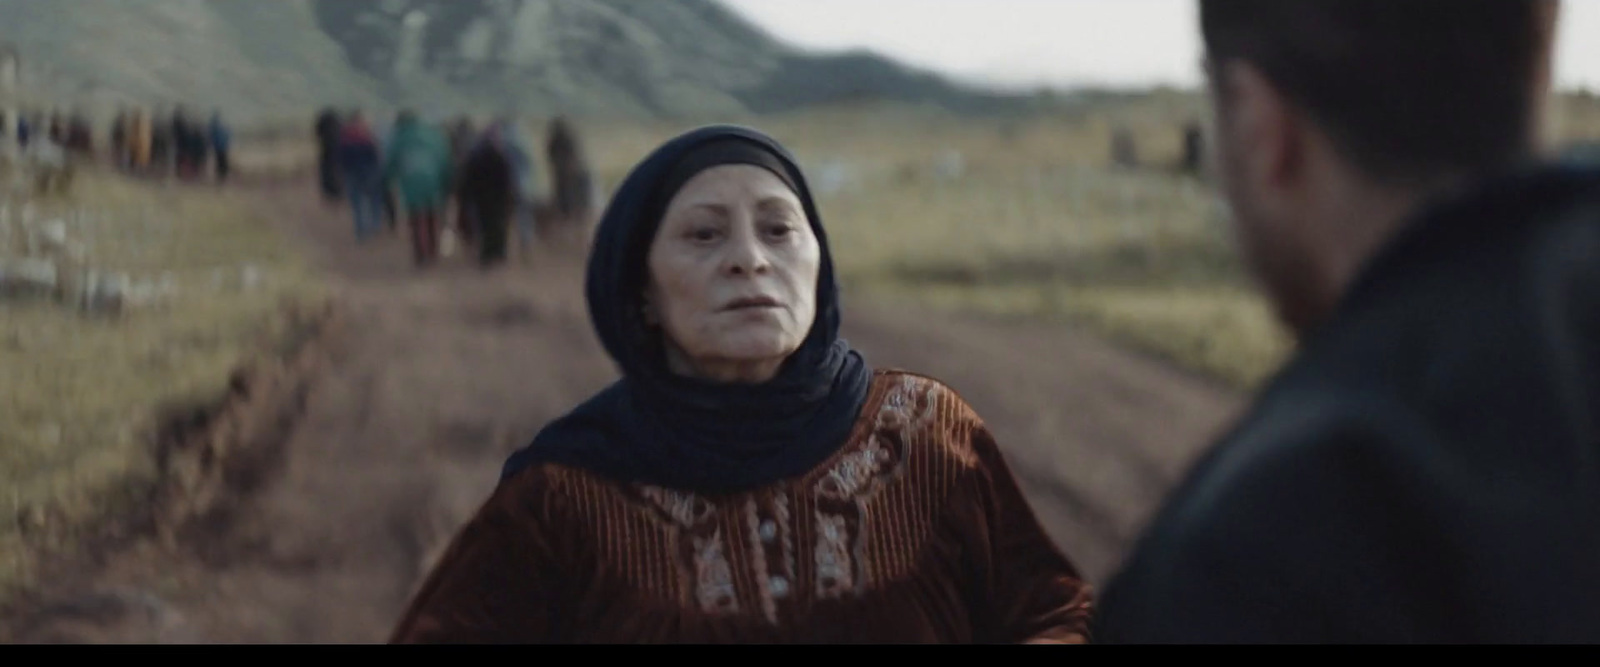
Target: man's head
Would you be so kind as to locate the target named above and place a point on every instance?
(1335, 116)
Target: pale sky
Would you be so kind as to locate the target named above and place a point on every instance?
(1063, 42)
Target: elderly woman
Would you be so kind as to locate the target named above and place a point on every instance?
(750, 478)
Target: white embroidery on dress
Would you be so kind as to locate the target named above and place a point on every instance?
(854, 471)
(910, 405)
(713, 576)
(835, 576)
(758, 560)
(686, 508)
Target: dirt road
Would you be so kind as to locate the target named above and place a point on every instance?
(426, 381)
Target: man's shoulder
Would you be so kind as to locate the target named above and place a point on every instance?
(1297, 443)
(1300, 461)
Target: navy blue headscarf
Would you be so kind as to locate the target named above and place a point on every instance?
(656, 427)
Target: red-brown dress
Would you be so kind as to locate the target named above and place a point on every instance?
(914, 532)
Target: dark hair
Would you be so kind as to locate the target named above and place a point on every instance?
(1407, 89)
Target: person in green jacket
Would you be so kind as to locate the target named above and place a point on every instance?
(419, 164)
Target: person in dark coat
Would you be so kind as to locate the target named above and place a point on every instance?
(361, 172)
(462, 137)
(1426, 469)
(26, 128)
(220, 137)
(119, 139)
(489, 192)
(1193, 161)
(569, 169)
(187, 145)
(58, 129)
(80, 136)
(162, 144)
(199, 139)
(328, 128)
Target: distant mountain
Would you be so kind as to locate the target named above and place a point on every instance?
(255, 58)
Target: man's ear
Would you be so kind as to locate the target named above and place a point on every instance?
(1268, 132)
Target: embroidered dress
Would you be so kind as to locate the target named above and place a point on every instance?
(914, 532)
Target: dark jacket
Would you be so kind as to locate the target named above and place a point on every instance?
(1427, 469)
(488, 178)
(327, 131)
(358, 151)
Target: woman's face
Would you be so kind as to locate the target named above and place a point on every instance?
(733, 275)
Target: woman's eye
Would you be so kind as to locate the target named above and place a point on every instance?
(704, 234)
(777, 224)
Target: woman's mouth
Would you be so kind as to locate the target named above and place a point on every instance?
(754, 302)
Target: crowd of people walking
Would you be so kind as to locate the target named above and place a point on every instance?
(177, 144)
(140, 142)
(451, 184)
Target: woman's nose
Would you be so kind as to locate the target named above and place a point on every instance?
(746, 255)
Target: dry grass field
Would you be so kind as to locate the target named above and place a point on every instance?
(82, 392)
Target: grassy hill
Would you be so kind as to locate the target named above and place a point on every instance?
(593, 58)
